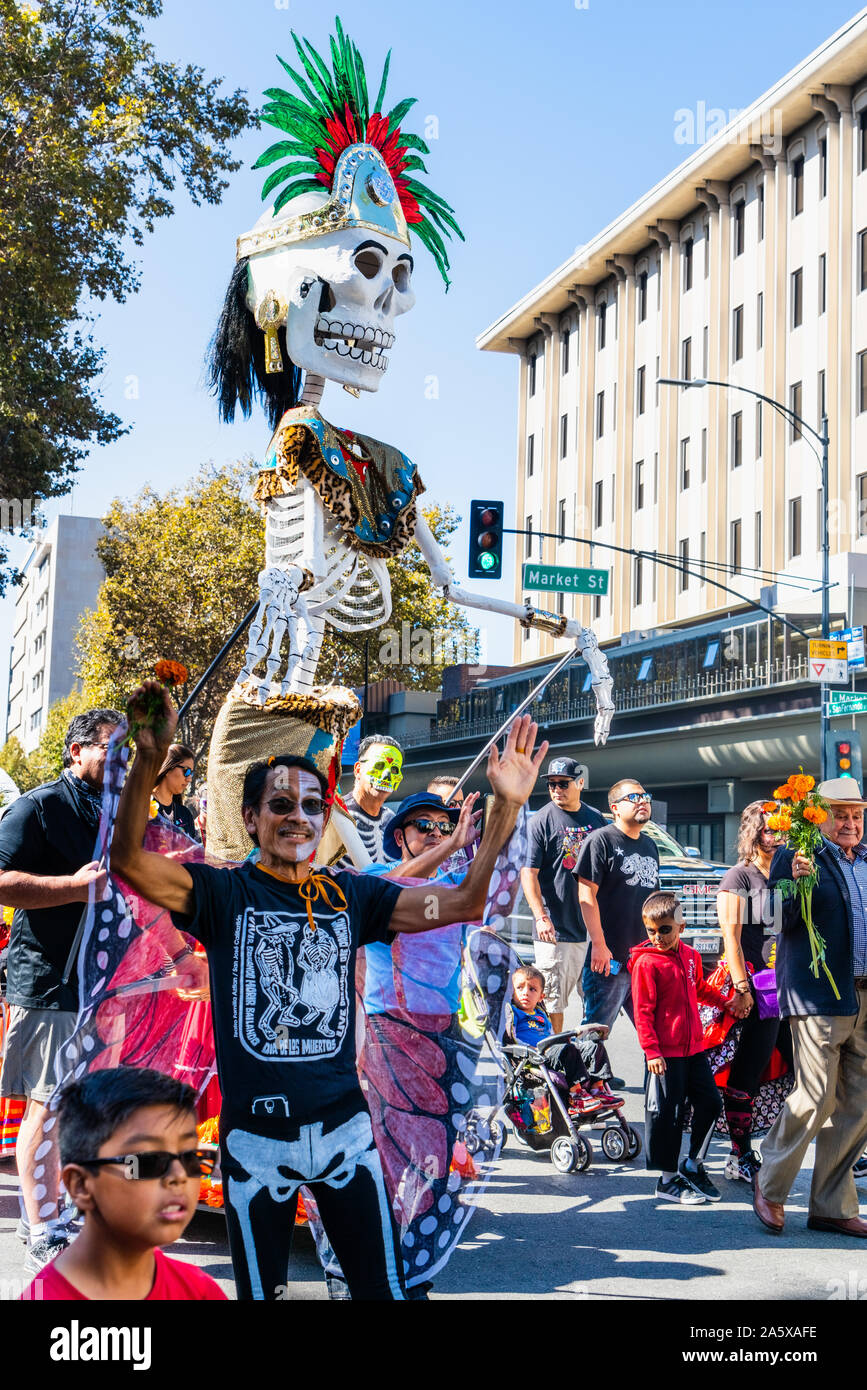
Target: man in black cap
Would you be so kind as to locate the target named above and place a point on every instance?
(556, 835)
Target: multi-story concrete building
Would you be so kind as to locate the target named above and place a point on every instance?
(748, 264)
(62, 576)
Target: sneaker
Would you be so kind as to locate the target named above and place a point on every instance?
(743, 1167)
(581, 1102)
(678, 1190)
(608, 1098)
(699, 1179)
(859, 1169)
(39, 1255)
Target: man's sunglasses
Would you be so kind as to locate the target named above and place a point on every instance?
(560, 785)
(285, 805)
(426, 827)
(147, 1166)
(634, 797)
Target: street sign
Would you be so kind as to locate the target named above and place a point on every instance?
(563, 579)
(854, 639)
(828, 662)
(847, 702)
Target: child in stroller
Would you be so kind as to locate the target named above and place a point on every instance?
(557, 1082)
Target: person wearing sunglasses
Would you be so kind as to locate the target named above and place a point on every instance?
(131, 1163)
(173, 783)
(282, 936)
(557, 833)
(617, 870)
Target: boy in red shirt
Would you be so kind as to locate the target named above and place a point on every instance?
(667, 983)
(131, 1164)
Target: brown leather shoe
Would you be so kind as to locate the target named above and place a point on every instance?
(840, 1225)
(771, 1214)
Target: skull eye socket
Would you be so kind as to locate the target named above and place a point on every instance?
(401, 275)
(369, 263)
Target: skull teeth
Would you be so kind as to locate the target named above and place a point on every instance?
(353, 339)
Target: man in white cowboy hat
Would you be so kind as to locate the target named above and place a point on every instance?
(829, 1033)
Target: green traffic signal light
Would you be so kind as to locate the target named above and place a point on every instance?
(486, 540)
(487, 560)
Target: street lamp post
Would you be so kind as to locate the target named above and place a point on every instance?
(822, 439)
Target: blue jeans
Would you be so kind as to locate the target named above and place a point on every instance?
(606, 995)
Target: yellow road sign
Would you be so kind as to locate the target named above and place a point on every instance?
(820, 650)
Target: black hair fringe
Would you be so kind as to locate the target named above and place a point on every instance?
(236, 360)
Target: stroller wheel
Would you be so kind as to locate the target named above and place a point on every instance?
(614, 1143)
(571, 1155)
(634, 1143)
(499, 1134)
(472, 1142)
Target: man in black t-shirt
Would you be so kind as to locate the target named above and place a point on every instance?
(47, 839)
(557, 833)
(617, 870)
(281, 938)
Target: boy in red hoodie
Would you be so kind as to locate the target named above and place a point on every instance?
(667, 983)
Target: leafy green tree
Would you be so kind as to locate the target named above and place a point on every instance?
(95, 134)
(15, 761)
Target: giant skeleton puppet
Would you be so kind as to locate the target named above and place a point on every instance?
(317, 288)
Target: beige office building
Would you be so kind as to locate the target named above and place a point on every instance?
(748, 265)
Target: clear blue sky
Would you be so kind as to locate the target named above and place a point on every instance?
(552, 120)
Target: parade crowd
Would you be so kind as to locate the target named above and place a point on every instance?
(111, 1174)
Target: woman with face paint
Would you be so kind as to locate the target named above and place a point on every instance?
(378, 773)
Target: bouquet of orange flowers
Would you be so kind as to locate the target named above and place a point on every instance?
(797, 812)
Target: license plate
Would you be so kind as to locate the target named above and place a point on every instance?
(709, 944)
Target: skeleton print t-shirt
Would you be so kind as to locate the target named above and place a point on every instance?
(627, 872)
(370, 829)
(283, 996)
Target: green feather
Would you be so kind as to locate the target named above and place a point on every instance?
(413, 142)
(295, 190)
(287, 171)
(277, 151)
(300, 84)
(397, 113)
(380, 96)
(321, 85)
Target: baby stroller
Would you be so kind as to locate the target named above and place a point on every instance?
(537, 1103)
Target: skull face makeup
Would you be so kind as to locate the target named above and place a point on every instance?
(382, 765)
(343, 292)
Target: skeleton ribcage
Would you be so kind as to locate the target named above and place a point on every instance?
(350, 590)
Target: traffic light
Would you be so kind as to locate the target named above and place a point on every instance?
(486, 540)
(844, 755)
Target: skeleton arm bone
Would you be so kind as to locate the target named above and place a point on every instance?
(585, 639)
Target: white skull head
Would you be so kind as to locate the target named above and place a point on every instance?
(342, 293)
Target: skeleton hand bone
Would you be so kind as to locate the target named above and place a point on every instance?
(601, 681)
(280, 606)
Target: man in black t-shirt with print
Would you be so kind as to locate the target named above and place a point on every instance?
(617, 870)
(557, 833)
(281, 937)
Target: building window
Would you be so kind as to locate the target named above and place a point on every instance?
(737, 439)
(823, 279)
(686, 359)
(794, 527)
(687, 264)
(601, 315)
(862, 261)
(758, 540)
(645, 670)
(636, 580)
(862, 382)
(862, 140)
(597, 606)
(735, 546)
(738, 333)
(796, 407)
(564, 352)
(704, 342)
(738, 220)
(684, 464)
(597, 504)
(640, 378)
(613, 491)
(561, 519)
(531, 442)
(600, 414)
(531, 374)
(642, 296)
(529, 537)
(759, 432)
(798, 185)
(614, 406)
(702, 556)
(797, 283)
(823, 168)
(683, 577)
(639, 485)
(760, 197)
(704, 456)
(36, 718)
(655, 481)
(862, 504)
(564, 435)
(760, 319)
(820, 397)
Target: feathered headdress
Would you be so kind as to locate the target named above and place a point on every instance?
(362, 157)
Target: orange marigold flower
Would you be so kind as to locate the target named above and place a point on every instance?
(774, 822)
(801, 785)
(815, 815)
(769, 806)
(171, 672)
(783, 793)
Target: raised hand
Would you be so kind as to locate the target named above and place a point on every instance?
(465, 831)
(514, 773)
(152, 717)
